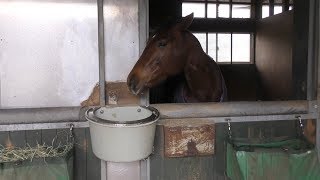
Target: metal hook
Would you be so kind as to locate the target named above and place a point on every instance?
(229, 128)
(71, 130)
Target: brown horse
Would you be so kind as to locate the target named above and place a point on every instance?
(173, 51)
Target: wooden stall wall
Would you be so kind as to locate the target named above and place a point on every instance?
(86, 165)
(274, 48)
(241, 81)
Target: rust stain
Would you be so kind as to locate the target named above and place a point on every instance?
(8, 143)
(183, 141)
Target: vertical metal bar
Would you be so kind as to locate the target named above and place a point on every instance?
(207, 51)
(231, 36)
(103, 170)
(217, 9)
(252, 48)
(206, 9)
(311, 50)
(102, 67)
(102, 77)
(206, 16)
(143, 16)
(0, 93)
(230, 9)
(258, 9)
(217, 60)
(285, 6)
(317, 28)
(271, 7)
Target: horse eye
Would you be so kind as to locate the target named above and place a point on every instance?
(162, 44)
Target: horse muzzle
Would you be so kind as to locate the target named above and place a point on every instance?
(135, 86)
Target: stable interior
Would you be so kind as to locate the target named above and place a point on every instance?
(275, 36)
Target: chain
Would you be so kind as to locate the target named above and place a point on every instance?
(71, 133)
(300, 124)
(229, 128)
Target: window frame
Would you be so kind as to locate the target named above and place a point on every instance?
(224, 25)
(232, 25)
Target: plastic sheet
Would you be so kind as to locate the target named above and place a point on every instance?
(285, 160)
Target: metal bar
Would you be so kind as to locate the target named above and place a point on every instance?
(145, 169)
(103, 170)
(285, 117)
(311, 58)
(202, 110)
(317, 57)
(41, 115)
(231, 38)
(143, 35)
(271, 7)
(165, 121)
(102, 92)
(285, 6)
(38, 126)
(167, 111)
(144, 99)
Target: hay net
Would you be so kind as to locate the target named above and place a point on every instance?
(55, 149)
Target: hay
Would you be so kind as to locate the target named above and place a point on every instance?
(10, 154)
(14, 154)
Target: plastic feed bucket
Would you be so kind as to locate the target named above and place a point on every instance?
(122, 134)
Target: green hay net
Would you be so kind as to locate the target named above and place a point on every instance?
(283, 160)
(42, 162)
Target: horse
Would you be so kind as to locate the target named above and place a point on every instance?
(174, 51)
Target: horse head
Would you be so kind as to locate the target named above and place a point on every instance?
(164, 56)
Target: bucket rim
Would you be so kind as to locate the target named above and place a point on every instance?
(90, 116)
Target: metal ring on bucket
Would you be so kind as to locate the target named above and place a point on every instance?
(90, 115)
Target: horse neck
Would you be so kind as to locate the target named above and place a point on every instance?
(202, 75)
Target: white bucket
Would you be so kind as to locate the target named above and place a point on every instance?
(122, 134)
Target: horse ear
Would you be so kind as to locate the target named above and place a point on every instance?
(185, 22)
